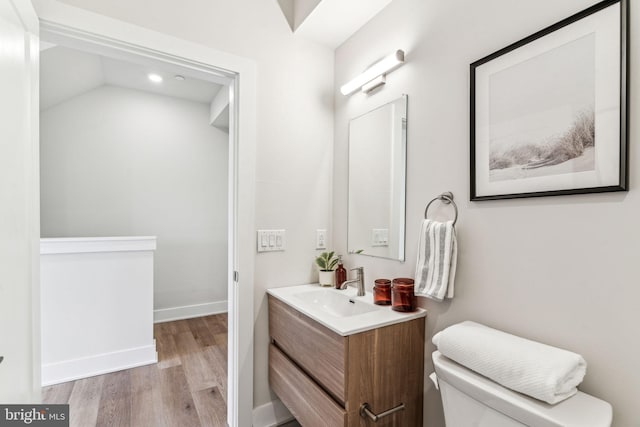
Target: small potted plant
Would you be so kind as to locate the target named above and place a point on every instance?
(327, 262)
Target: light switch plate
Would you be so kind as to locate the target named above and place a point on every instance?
(271, 240)
(380, 237)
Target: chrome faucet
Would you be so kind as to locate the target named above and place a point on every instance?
(359, 280)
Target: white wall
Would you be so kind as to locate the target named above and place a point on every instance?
(121, 162)
(294, 129)
(561, 270)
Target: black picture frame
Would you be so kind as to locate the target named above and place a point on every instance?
(542, 122)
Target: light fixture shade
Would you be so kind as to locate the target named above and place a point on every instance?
(385, 65)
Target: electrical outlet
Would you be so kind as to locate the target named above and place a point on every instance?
(321, 239)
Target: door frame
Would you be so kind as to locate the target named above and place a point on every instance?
(60, 23)
(20, 224)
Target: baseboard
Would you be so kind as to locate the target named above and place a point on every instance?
(189, 311)
(70, 370)
(271, 414)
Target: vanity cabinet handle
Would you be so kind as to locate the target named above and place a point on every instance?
(366, 412)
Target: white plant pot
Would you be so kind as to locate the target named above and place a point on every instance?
(327, 278)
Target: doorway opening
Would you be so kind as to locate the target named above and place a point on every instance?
(122, 41)
(129, 150)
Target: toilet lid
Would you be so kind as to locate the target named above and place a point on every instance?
(579, 410)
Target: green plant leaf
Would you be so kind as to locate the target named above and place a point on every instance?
(327, 261)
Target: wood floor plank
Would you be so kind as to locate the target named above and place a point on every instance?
(158, 329)
(217, 324)
(211, 406)
(84, 401)
(178, 326)
(217, 362)
(168, 355)
(223, 319)
(198, 371)
(202, 334)
(163, 329)
(146, 398)
(115, 402)
(186, 343)
(177, 401)
(57, 394)
(221, 341)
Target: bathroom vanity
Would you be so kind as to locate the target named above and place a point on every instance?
(336, 359)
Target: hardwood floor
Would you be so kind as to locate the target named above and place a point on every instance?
(186, 388)
(293, 423)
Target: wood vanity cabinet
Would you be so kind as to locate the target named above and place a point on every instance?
(324, 378)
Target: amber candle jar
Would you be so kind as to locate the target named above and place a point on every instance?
(382, 292)
(402, 296)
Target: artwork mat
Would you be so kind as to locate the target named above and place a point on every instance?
(605, 24)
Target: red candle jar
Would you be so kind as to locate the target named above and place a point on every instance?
(402, 296)
(382, 292)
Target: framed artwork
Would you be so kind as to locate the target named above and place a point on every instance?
(549, 112)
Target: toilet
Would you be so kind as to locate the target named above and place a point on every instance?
(470, 399)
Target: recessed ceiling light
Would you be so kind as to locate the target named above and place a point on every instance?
(156, 78)
(178, 77)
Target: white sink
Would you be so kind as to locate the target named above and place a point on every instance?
(334, 303)
(341, 310)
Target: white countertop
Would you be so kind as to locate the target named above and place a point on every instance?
(377, 316)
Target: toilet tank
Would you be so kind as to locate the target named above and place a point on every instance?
(470, 399)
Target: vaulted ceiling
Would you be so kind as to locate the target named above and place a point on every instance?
(66, 73)
(330, 22)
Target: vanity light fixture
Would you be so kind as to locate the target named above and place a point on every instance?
(378, 81)
(156, 78)
(374, 76)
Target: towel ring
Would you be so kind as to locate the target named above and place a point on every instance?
(446, 198)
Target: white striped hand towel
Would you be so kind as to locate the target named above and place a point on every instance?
(437, 259)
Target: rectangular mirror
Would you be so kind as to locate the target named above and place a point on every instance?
(377, 181)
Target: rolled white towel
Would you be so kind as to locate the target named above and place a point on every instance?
(538, 370)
